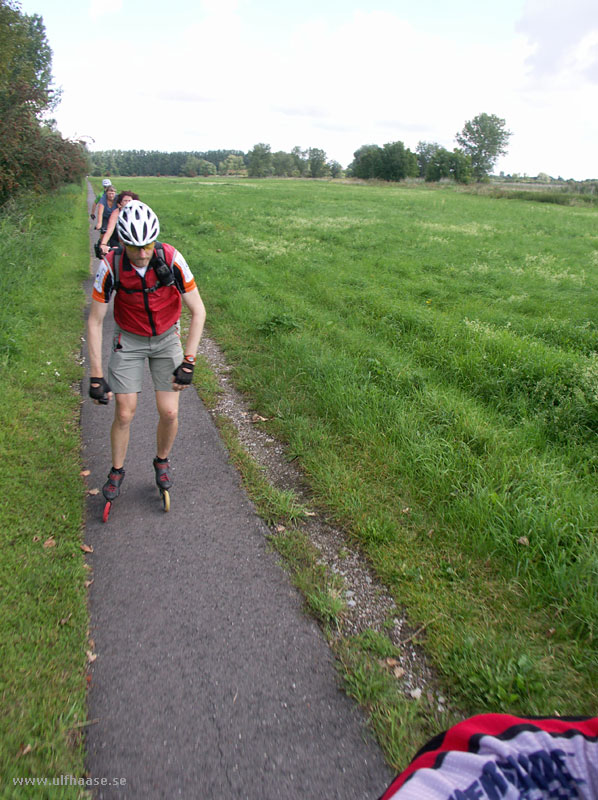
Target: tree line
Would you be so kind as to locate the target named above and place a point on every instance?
(260, 162)
(481, 141)
(155, 162)
(33, 155)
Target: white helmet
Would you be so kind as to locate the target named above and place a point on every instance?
(106, 182)
(137, 224)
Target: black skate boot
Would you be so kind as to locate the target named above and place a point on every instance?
(111, 489)
(162, 469)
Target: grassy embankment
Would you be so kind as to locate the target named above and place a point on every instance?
(430, 357)
(43, 614)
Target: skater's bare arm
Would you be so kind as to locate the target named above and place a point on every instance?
(105, 238)
(195, 305)
(100, 210)
(183, 375)
(95, 323)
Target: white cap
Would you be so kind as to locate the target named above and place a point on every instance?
(106, 182)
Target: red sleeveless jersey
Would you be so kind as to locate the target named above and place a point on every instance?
(141, 305)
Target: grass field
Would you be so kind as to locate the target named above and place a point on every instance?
(43, 614)
(431, 359)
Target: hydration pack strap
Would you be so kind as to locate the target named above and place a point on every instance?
(118, 254)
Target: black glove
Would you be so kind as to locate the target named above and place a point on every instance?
(93, 216)
(183, 374)
(99, 392)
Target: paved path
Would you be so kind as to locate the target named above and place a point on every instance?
(210, 680)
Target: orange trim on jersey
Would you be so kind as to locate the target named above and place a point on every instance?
(189, 285)
(100, 296)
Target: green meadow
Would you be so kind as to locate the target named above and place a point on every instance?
(430, 357)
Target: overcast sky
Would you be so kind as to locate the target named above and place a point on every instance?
(335, 74)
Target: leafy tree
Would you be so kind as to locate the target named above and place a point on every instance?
(317, 162)
(32, 153)
(283, 164)
(397, 162)
(460, 166)
(484, 139)
(190, 167)
(300, 161)
(216, 157)
(436, 162)
(25, 60)
(206, 168)
(232, 165)
(194, 166)
(426, 154)
(335, 168)
(367, 162)
(260, 161)
(393, 162)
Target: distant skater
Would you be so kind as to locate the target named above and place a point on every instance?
(109, 236)
(106, 205)
(100, 198)
(150, 281)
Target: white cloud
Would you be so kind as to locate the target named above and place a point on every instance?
(557, 31)
(583, 60)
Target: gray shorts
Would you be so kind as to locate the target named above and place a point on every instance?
(129, 352)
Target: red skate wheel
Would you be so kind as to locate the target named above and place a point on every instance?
(107, 508)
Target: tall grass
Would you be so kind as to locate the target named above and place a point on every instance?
(43, 616)
(430, 357)
(559, 195)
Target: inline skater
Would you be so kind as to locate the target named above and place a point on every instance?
(104, 208)
(109, 236)
(150, 280)
(100, 198)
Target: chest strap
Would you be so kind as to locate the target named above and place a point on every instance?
(116, 263)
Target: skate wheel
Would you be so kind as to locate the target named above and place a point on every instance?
(165, 500)
(107, 508)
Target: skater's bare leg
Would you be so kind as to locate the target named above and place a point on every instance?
(126, 405)
(168, 424)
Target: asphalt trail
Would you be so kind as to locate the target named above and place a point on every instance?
(210, 680)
